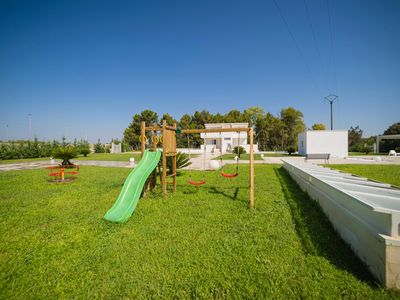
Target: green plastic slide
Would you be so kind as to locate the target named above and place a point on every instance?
(129, 196)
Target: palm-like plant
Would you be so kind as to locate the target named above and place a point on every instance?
(65, 153)
(182, 161)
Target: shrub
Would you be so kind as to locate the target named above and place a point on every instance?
(99, 148)
(239, 150)
(290, 150)
(367, 149)
(125, 147)
(65, 153)
(182, 161)
(397, 149)
(84, 150)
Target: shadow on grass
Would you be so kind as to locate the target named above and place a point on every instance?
(214, 190)
(316, 233)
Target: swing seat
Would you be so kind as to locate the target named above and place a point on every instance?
(227, 175)
(196, 183)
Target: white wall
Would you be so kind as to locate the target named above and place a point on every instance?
(334, 142)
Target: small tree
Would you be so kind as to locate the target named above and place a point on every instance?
(318, 126)
(84, 148)
(355, 138)
(239, 150)
(290, 150)
(98, 147)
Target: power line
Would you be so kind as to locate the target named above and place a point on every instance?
(316, 45)
(298, 48)
(332, 48)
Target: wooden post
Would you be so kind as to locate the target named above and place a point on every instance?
(174, 163)
(142, 134)
(154, 140)
(153, 181)
(251, 168)
(164, 158)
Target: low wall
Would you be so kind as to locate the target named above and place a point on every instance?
(365, 213)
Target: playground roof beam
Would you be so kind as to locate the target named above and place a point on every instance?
(239, 129)
(158, 128)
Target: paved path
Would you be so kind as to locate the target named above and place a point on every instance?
(198, 162)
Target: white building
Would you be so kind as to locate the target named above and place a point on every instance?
(334, 142)
(225, 141)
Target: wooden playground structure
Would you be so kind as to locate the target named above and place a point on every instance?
(168, 139)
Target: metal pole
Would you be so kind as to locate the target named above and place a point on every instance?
(331, 98)
(377, 144)
(30, 126)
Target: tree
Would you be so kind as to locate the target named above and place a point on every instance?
(132, 133)
(170, 120)
(184, 123)
(201, 118)
(252, 114)
(355, 138)
(294, 123)
(84, 148)
(318, 126)
(197, 122)
(387, 145)
(271, 133)
(63, 141)
(98, 147)
(235, 116)
(218, 118)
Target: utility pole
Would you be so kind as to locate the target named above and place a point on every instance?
(30, 126)
(7, 133)
(330, 98)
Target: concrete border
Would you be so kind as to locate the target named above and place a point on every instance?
(365, 213)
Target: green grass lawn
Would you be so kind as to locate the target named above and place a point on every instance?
(385, 173)
(364, 154)
(242, 157)
(199, 243)
(279, 155)
(93, 156)
(14, 161)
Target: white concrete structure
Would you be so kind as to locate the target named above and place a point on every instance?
(225, 141)
(365, 213)
(385, 137)
(115, 148)
(334, 142)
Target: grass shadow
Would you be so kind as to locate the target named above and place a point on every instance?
(214, 190)
(317, 235)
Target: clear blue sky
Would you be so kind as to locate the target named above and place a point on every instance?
(85, 67)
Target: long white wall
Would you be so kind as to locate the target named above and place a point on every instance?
(365, 213)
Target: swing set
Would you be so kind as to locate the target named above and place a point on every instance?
(168, 138)
(224, 174)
